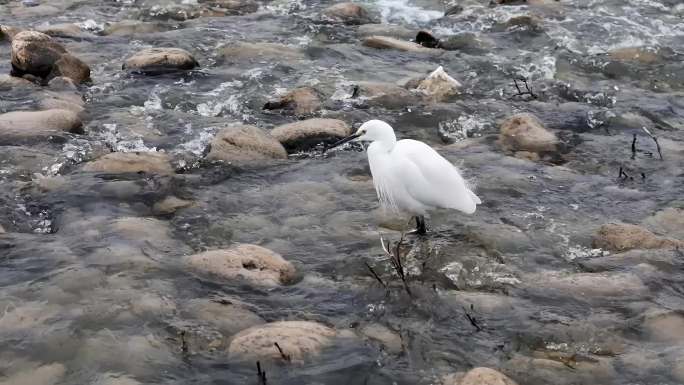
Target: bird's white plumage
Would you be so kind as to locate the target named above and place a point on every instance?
(410, 176)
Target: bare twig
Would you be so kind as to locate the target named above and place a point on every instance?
(377, 277)
(472, 320)
(285, 357)
(184, 342)
(655, 139)
(261, 374)
(634, 140)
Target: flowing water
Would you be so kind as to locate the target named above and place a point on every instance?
(92, 283)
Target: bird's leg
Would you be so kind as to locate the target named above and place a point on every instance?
(421, 228)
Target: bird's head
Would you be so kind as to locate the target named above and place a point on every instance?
(371, 131)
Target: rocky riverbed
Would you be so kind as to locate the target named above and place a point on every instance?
(167, 215)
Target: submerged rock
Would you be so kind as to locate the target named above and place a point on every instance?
(588, 285)
(348, 13)
(115, 379)
(50, 374)
(160, 60)
(9, 82)
(438, 85)
(255, 264)
(386, 42)
(232, 7)
(131, 162)
(387, 30)
(480, 376)
(61, 30)
(668, 222)
(385, 95)
(170, 205)
(133, 28)
(305, 134)
(238, 51)
(299, 340)
(642, 55)
(37, 54)
(665, 326)
(624, 236)
(228, 318)
(245, 144)
(301, 101)
(28, 124)
(388, 338)
(525, 132)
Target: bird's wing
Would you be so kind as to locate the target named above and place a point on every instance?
(441, 184)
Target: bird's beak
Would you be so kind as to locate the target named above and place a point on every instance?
(343, 141)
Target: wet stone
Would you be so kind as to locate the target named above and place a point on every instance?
(664, 326)
(300, 101)
(245, 144)
(170, 205)
(480, 376)
(299, 340)
(438, 86)
(386, 42)
(385, 95)
(254, 264)
(239, 51)
(305, 134)
(624, 236)
(347, 13)
(131, 162)
(388, 30)
(50, 374)
(524, 132)
(228, 317)
(32, 124)
(668, 222)
(133, 28)
(388, 338)
(160, 60)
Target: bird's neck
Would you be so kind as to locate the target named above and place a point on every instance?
(385, 145)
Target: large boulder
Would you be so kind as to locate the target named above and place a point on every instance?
(305, 134)
(299, 340)
(439, 86)
(160, 60)
(624, 236)
(254, 264)
(386, 42)
(300, 101)
(131, 162)
(525, 132)
(29, 124)
(347, 13)
(37, 54)
(245, 144)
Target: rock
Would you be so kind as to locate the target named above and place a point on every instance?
(115, 379)
(160, 60)
(152, 304)
(665, 326)
(668, 222)
(170, 205)
(483, 376)
(233, 7)
(8, 33)
(586, 285)
(254, 264)
(390, 340)
(27, 124)
(524, 132)
(499, 237)
(302, 101)
(9, 82)
(642, 55)
(227, 317)
(305, 134)
(37, 54)
(71, 67)
(43, 375)
(387, 30)
(131, 162)
(467, 42)
(624, 236)
(239, 51)
(347, 13)
(61, 30)
(386, 42)
(2, 230)
(678, 369)
(385, 95)
(298, 339)
(133, 28)
(528, 22)
(245, 144)
(439, 86)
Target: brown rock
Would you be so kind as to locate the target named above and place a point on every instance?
(170, 205)
(635, 54)
(524, 132)
(43, 375)
(131, 162)
(304, 134)
(159, 60)
(228, 317)
(2, 230)
(668, 222)
(386, 95)
(35, 53)
(8, 33)
(133, 28)
(302, 101)
(233, 7)
(71, 67)
(298, 339)
(387, 30)
(25, 124)
(390, 340)
(61, 30)
(665, 326)
(9, 82)
(347, 13)
(624, 236)
(485, 376)
(255, 264)
(386, 42)
(439, 86)
(245, 144)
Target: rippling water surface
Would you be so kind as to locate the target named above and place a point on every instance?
(92, 283)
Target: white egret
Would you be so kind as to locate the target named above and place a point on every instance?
(411, 177)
